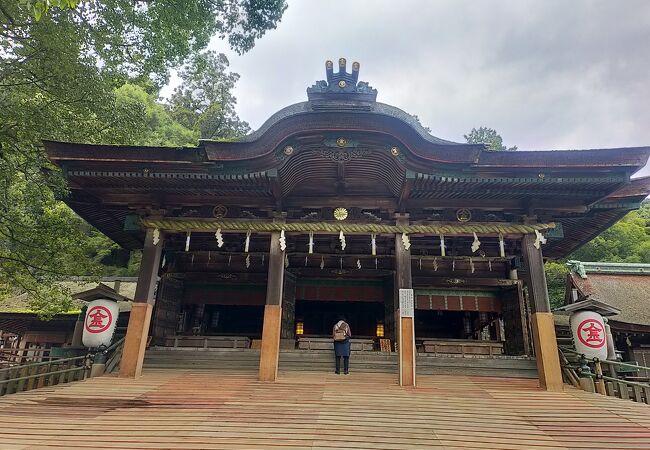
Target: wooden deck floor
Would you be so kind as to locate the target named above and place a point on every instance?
(227, 410)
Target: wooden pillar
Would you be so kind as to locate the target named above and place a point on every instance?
(405, 327)
(270, 348)
(77, 334)
(135, 342)
(544, 340)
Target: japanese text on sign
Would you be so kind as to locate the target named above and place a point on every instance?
(406, 306)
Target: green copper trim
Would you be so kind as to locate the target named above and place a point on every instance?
(453, 292)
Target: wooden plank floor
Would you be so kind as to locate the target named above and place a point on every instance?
(303, 410)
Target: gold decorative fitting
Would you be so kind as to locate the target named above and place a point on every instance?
(288, 150)
(355, 66)
(463, 215)
(145, 171)
(341, 142)
(340, 213)
(394, 151)
(219, 211)
(541, 176)
(342, 62)
(342, 84)
(329, 64)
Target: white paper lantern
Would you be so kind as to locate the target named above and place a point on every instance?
(589, 334)
(100, 322)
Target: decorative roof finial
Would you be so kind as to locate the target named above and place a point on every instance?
(342, 84)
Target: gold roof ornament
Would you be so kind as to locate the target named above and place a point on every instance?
(219, 212)
(463, 215)
(340, 213)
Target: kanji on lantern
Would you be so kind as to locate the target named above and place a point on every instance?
(592, 333)
(98, 319)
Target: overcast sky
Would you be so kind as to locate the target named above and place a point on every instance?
(544, 74)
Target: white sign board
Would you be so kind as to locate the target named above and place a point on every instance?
(406, 306)
(100, 322)
(589, 334)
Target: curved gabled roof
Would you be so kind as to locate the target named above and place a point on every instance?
(394, 126)
(342, 144)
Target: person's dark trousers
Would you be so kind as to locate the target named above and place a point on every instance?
(346, 364)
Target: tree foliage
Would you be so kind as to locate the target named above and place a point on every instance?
(627, 240)
(489, 137)
(204, 101)
(556, 275)
(156, 125)
(68, 72)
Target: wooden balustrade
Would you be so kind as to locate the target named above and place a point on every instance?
(49, 373)
(597, 382)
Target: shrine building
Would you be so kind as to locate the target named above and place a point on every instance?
(341, 205)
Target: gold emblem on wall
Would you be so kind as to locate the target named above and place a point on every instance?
(288, 150)
(394, 151)
(219, 211)
(340, 213)
(342, 84)
(463, 215)
(341, 142)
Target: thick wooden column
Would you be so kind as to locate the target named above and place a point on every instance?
(543, 325)
(135, 342)
(270, 348)
(405, 328)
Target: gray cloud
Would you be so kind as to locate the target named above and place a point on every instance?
(546, 75)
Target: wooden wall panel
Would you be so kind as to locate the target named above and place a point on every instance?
(165, 312)
(514, 321)
(288, 306)
(224, 294)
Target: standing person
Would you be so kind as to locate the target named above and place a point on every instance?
(342, 334)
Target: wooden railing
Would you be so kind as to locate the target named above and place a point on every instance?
(26, 377)
(49, 373)
(16, 356)
(580, 374)
(114, 355)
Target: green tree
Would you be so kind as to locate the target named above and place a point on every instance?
(489, 137)
(556, 274)
(156, 127)
(204, 100)
(60, 70)
(625, 241)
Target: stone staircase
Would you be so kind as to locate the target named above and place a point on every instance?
(323, 361)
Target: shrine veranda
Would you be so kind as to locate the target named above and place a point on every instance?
(331, 208)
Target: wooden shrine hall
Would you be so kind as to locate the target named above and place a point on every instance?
(342, 205)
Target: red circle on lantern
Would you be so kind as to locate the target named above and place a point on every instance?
(594, 323)
(98, 310)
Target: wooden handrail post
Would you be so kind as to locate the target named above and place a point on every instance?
(600, 383)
